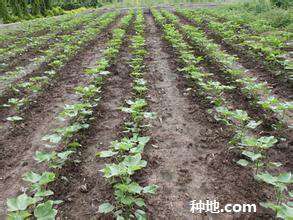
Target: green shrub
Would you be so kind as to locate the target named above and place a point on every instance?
(4, 15)
(49, 13)
(57, 11)
(282, 3)
(279, 18)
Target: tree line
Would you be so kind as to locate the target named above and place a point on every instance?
(14, 10)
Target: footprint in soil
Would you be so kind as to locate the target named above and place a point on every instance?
(184, 177)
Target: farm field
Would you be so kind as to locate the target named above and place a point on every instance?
(138, 112)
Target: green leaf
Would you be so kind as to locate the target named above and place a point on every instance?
(139, 202)
(125, 199)
(253, 124)
(20, 203)
(270, 206)
(106, 208)
(142, 141)
(253, 156)
(140, 214)
(266, 177)
(45, 211)
(242, 162)
(19, 215)
(74, 145)
(134, 163)
(285, 178)
(132, 187)
(14, 118)
(119, 217)
(107, 153)
(137, 150)
(285, 212)
(123, 145)
(44, 156)
(32, 177)
(64, 155)
(267, 142)
(44, 193)
(149, 115)
(150, 189)
(112, 170)
(57, 202)
(46, 178)
(274, 164)
(53, 138)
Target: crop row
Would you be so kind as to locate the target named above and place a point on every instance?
(34, 27)
(56, 58)
(38, 198)
(127, 152)
(256, 91)
(248, 20)
(32, 42)
(61, 50)
(250, 144)
(267, 49)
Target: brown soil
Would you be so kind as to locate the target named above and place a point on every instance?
(39, 70)
(19, 143)
(87, 188)
(31, 53)
(188, 157)
(187, 145)
(16, 29)
(253, 67)
(235, 96)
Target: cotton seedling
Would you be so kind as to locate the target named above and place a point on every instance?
(280, 183)
(39, 205)
(127, 151)
(53, 158)
(78, 110)
(254, 149)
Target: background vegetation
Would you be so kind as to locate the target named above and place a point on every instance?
(16, 10)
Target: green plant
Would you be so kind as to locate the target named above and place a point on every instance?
(254, 149)
(280, 183)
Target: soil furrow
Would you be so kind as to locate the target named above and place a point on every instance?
(33, 52)
(87, 188)
(186, 142)
(253, 67)
(20, 33)
(235, 96)
(19, 144)
(39, 70)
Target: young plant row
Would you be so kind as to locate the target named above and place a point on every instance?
(266, 49)
(251, 145)
(127, 152)
(32, 42)
(258, 92)
(34, 28)
(37, 200)
(55, 60)
(247, 20)
(65, 43)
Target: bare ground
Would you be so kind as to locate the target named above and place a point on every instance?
(186, 143)
(188, 157)
(87, 188)
(254, 68)
(19, 143)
